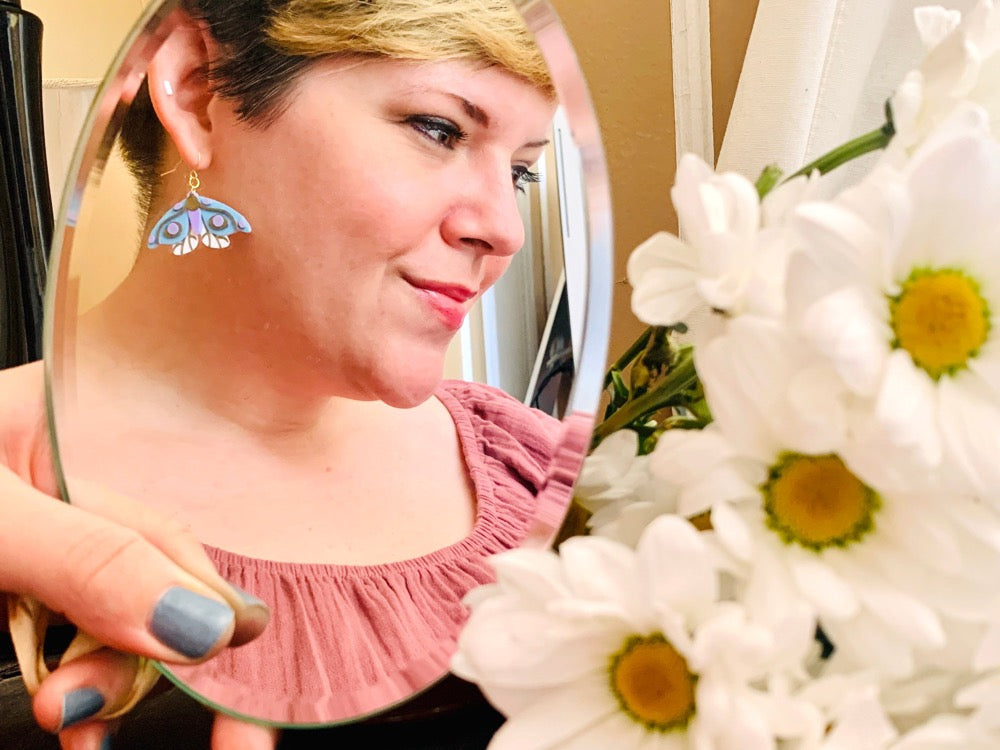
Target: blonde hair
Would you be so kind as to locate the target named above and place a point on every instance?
(265, 45)
(489, 32)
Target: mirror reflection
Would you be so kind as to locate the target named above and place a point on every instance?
(256, 342)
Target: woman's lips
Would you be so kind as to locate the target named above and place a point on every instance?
(450, 302)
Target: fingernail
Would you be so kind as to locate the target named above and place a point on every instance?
(106, 743)
(253, 619)
(249, 599)
(190, 623)
(80, 704)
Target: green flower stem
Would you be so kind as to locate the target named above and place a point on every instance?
(873, 141)
(631, 353)
(681, 377)
(768, 180)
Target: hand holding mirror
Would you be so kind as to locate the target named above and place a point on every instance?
(279, 391)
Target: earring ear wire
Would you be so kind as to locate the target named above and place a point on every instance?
(171, 171)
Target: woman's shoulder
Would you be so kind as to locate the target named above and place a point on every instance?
(498, 416)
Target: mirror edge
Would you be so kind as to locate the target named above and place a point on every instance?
(98, 134)
(101, 127)
(588, 383)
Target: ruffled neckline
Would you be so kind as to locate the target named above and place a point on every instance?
(473, 543)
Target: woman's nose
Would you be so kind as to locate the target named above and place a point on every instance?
(485, 215)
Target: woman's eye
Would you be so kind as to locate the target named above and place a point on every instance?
(442, 132)
(522, 176)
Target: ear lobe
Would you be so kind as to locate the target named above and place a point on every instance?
(180, 92)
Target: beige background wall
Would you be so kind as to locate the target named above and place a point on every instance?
(81, 37)
(624, 50)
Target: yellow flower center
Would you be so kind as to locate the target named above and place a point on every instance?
(816, 502)
(652, 683)
(941, 319)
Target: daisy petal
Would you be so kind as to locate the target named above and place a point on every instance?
(665, 297)
(557, 717)
(732, 531)
(903, 614)
(861, 725)
(971, 426)
(905, 407)
(535, 574)
(988, 654)
(601, 570)
(934, 23)
(675, 566)
(823, 587)
(614, 731)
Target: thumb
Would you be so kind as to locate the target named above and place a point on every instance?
(109, 579)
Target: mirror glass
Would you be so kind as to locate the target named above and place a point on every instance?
(274, 319)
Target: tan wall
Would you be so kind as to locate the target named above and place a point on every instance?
(69, 53)
(624, 50)
(81, 37)
(731, 24)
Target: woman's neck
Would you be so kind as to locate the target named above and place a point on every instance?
(166, 341)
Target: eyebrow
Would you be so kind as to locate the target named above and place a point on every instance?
(475, 112)
(478, 114)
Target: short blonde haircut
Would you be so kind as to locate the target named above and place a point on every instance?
(266, 45)
(488, 32)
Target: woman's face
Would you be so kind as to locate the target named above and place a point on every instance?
(383, 204)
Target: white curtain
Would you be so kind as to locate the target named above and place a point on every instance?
(817, 73)
(65, 103)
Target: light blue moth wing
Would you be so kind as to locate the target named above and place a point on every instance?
(174, 229)
(216, 221)
(197, 219)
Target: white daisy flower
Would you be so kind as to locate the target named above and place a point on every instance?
(982, 698)
(614, 470)
(617, 487)
(880, 566)
(899, 285)
(951, 732)
(962, 66)
(730, 256)
(602, 646)
(854, 717)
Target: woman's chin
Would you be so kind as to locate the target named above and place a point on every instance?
(407, 387)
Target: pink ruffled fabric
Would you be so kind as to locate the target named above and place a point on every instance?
(349, 640)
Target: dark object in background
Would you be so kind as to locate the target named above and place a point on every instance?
(554, 369)
(451, 715)
(25, 202)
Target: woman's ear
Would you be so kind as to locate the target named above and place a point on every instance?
(180, 91)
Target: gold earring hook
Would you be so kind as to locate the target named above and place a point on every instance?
(171, 171)
(181, 161)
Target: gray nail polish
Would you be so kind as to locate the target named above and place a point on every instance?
(80, 704)
(106, 742)
(249, 599)
(190, 623)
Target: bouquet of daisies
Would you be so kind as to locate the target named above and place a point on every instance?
(795, 529)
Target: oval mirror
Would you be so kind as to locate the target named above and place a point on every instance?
(274, 318)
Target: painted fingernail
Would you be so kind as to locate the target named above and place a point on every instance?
(190, 623)
(106, 743)
(80, 704)
(253, 619)
(249, 599)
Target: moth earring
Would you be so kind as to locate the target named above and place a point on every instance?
(197, 219)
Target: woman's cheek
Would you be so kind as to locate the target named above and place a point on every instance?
(495, 268)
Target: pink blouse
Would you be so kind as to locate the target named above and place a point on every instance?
(345, 640)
